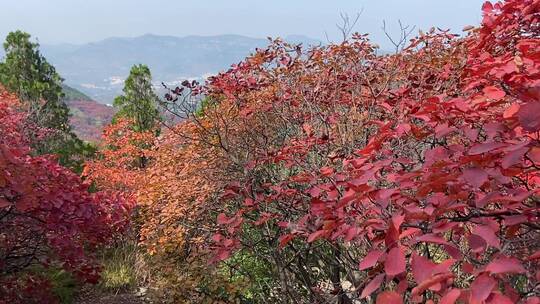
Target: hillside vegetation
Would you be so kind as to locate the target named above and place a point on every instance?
(87, 117)
(73, 94)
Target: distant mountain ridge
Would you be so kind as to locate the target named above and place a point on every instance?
(98, 69)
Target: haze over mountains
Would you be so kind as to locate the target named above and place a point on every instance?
(98, 69)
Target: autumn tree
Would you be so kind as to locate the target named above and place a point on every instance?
(173, 218)
(125, 152)
(26, 73)
(176, 202)
(117, 165)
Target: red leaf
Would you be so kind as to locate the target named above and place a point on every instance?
(450, 297)
(513, 157)
(223, 255)
(475, 176)
(384, 194)
(488, 235)
(453, 251)
(316, 235)
(534, 256)
(402, 286)
(436, 279)
(395, 262)
(315, 191)
(389, 297)
(24, 205)
(435, 155)
(477, 243)
(533, 300)
(481, 288)
(222, 219)
(249, 202)
(471, 134)
(468, 267)
(511, 110)
(443, 130)
(4, 203)
(307, 129)
(397, 220)
(371, 259)
(515, 220)
(444, 266)
(534, 155)
(494, 93)
(285, 239)
(403, 128)
(392, 235)
(487, 7)
(421, 268)
(485, 147)
(529, 116)
(505, 265)
(348, 197)
(351, 233)
(372, 286)
(500, 299)
(327, 171)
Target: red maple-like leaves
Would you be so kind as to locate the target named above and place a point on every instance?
(529, 116)
(371, 259)
(47, 214)
(505, 265)
(395, 262)
(494, 93)
(372, 286)
(475, 176)
(481, 288)
(389, 297)
(450, 297)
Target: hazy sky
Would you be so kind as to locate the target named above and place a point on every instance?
(79, 21)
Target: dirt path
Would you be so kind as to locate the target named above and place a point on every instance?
(93, 297)
(112, 299)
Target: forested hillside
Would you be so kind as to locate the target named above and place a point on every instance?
(322, 174)
(87, 117)
(73, 94)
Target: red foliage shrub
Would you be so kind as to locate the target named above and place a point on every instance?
(47, 214)
(427, 160)
(121, 162)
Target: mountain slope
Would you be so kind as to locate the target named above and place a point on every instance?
(87, 116)
(73, 94)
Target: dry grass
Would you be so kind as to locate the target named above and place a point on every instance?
(123, 267)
